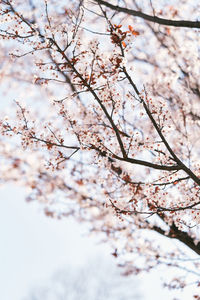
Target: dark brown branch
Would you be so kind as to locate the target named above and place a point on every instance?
(174, 232)
(130, 212)
(136, 161)
(182, 236)
(159, 131)
(95, 96)
(67, 78)
(49, 143)
(154, 19)
(149, 164)
(173, 209)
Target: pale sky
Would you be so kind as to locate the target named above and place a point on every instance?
(33, 247)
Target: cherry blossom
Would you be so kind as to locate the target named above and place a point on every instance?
(105, 122)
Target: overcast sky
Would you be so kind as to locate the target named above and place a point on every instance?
(33, 247)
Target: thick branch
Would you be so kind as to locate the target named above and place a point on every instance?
(137, 161)
(148, 164)
(182, 236)
(154, 19)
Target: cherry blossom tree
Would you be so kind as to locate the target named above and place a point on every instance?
(106, 95)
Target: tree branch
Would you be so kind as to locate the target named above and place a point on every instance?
(148, 164)
(182, 236)
(154, 19)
